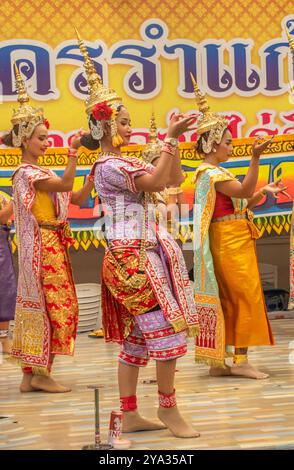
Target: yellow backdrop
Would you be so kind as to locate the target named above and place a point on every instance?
(200, 26)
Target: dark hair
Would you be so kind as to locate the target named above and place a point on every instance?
(87, 140)
(120, 107)
(199, 144)
(204, 137)
(90, 143)
(7, 139)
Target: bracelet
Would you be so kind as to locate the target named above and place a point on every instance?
(173, 141)
(168, 148)
(174, 191)
(72, 153)
(90, 178)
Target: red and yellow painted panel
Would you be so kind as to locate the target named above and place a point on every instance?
(272, 216)
(238, 52)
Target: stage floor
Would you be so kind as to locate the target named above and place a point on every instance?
(230, 413)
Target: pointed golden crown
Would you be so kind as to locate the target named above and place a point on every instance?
(153, 148)
(290, 39)
(25, 113)
(98, 93)
(208, 120)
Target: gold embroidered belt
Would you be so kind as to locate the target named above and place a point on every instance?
(63, 230)
(130, 243)
(51, 227)
(230, 217)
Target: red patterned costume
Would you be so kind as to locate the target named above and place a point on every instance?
(151, 321)
(46, 309)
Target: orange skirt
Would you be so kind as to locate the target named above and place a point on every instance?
(240, 290)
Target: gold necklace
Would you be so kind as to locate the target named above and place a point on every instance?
(102, 154)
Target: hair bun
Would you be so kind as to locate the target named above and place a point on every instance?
(90, 143)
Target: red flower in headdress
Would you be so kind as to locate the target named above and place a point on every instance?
(46, 123)
(102, 112)
(1, 141)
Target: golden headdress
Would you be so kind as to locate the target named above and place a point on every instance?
(290, 39)
(25, 118)
(291, 44)
(100, 99)
(153, 148)
(210, 122)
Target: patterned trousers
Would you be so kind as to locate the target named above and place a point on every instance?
(152, 337)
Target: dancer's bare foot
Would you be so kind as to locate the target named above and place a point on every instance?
(247, 370)
(133, 422)
(45, 383)
(25, 385)
(219, 371)
(172, 418)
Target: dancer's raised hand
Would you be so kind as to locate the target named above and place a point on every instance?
(180, 123)
(75, 142)
(260, 145)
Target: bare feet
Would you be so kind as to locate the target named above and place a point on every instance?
(175, 423)
(248, 371)
(239, 370)
(133, 422)
(25, 385)
(45, 383)
(219, 371)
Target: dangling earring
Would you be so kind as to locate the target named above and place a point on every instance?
(115, 137)
(214, 150)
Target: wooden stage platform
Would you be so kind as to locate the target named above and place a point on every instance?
(230, 413)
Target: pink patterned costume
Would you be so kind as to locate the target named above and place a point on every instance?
(46, 305)
(152, 321)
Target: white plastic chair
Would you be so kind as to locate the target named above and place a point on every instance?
(269, 275)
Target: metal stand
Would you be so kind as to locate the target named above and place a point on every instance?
(98, 444)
